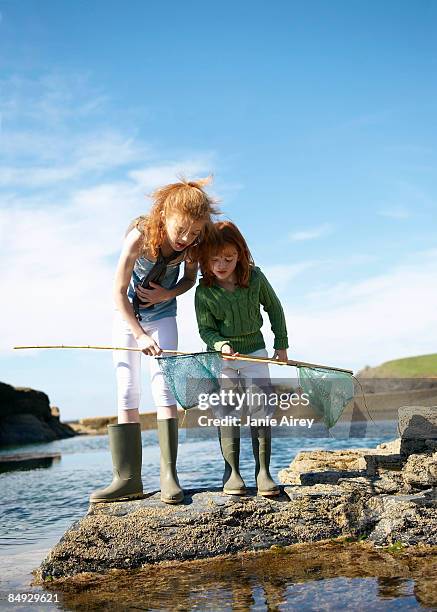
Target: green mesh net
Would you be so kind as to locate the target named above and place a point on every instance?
(189, 376)
(329, 391)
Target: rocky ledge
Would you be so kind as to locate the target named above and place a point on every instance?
(26, 417)
(383, 495)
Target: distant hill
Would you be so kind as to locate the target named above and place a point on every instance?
(422, 366)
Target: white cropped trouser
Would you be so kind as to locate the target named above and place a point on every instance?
(128, 363)
(255, 378)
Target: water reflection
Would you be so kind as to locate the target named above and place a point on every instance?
(324, 576)
(12, 463)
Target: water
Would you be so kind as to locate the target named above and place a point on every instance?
(39, 505)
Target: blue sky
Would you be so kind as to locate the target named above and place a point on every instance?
(317, 120)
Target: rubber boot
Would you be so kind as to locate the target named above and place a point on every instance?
(126, 451)
(171, 492)
(229, 436)
(262, 445)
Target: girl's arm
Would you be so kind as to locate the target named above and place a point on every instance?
(161, 294)
(273, 307)
(129, 253)
(188, 280)
(207, 324)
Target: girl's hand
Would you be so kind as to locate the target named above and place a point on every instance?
(148, 297)
(280, 355)
(228, 351)
(148, 345)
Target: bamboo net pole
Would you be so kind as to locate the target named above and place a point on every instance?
(290, 362)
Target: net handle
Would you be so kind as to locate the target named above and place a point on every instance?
(289, 362)
(98, 348)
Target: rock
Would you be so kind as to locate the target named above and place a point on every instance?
(7, 399)
(326, 476)
(309, 467)
(407, 519)
(30, 401)
(394, 446)
(418, 422)
(208, 523)
(24, 429)
(390, 482)
(418, 428)
(128, 535)
(377, 463)
(357, 492)
(431, 445)
(26, 417)
(323, 466)
(421, 471)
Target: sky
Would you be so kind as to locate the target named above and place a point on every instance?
(317, 120)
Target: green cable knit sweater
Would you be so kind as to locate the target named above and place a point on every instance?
(226, 317)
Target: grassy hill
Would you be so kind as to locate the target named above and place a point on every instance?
(422, 366)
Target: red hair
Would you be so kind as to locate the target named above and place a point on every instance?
(187, 198)
(223, 235)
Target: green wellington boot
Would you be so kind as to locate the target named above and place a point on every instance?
(126, 451)
(262, 445)
(229, 436)
(171, 492)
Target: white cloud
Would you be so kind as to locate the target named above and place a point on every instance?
(383, 317)
(152, 177)
(64, 214)
(280, 275)
(55, 273)
(85, 155)
(311, 234)
(51, 99)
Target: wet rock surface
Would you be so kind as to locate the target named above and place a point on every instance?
(207, 524)
(374, 494)
(130, 534)
(296, 577)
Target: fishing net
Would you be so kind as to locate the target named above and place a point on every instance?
(189, 376)
(197, 374)
(329, 391)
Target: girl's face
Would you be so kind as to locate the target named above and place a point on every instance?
(223, 264)
(181, 232)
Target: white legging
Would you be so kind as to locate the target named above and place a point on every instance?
(257, 380)
(128, 363)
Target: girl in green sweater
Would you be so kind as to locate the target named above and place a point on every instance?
(228, 300)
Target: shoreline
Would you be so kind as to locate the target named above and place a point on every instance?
(382, 406)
